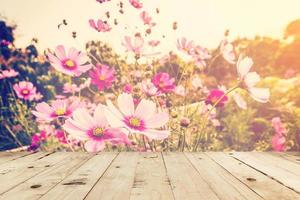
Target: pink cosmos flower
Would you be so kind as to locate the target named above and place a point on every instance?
(153, 43)
(136, 46)
(147, 19)
(94, 130)
(227, 51)
(141, 120)
(185, 46)
(149, 88)
(250, 79)
(58, 108)
(73, 64)
(102, 76)
(70, 88)
(128, 88)
(278, 143)
(163, 82)
(136, 3)
(278, 140)
(214, 96)
(200, 55)
(38, 96)
(8, 73)
(278, 126)
(61, 136)
(101, 26)
(25, 90)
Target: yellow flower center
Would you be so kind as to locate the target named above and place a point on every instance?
(161, 85)
(70, 63)
(135, 122)
(102, 77)
(98, 131)
(60, 111)
(25, 91)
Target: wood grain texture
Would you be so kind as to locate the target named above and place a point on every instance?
(186, 182)
(77, 185)
(40, 184)
(117, 181)
(151, 180)
(150, 176)
(261, 184)
(217, 176)
(272, 167)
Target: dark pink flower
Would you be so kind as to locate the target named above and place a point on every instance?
(102, 76)
(163, 82)
(127, 88)
(216, 96)
(61, 136)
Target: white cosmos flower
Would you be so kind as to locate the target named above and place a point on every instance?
(250, 79)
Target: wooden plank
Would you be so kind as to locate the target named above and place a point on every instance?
(279, 162)
(27, 171)
(117, 181)
(293, 157)
(9, 156)
(79, 183)
(35, 187)
(271, 168)
(11, 166)
(151, 181)
(216, 176)
(185, 180)
(261, 184)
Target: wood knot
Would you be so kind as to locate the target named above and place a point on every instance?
(251, 179)
(35, 186)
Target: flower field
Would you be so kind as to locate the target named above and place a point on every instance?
(242, 95)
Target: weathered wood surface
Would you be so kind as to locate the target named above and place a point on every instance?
(146, 176)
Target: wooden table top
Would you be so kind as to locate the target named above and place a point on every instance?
(132, 175)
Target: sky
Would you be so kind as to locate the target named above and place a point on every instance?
(203, 21)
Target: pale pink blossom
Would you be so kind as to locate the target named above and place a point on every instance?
(153, 43)
(9, 73)
(180, 90)
(250, 79)
(136, 3)
(70, 88)
(93, 130)
(144, 119)
(185, 46)
(73, 64)
(200, 55)
(135, 46)
(25, 90)
(101, 26)
(57, 109)
(149, 88)
(147, 19)
(227, 51)
(197, 82)
(278, 142)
